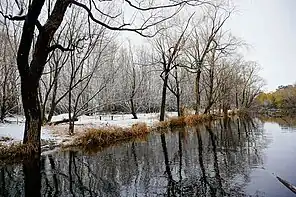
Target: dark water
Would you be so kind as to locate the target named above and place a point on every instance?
(233, 158)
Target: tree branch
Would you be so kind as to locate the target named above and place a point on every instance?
(58, 46)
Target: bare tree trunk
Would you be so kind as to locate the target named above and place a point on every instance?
(236, 99)
(31, 72)
(3, 104)
(178, 93)
(197, 91)
(32, 111)
(133, 108)
(71, 122)
(53, 100)
(163, 98)
(178, 105)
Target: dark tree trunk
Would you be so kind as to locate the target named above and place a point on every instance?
(225, 110)
(207, 109)
(51, 111)
(178, 94)
(178, 105)
(197, 91)
(3, 104)
(33, 115)
(30, 73)
(163, 98)
(236, 99)
(133, 111)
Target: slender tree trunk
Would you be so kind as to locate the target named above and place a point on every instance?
(236, 99)
(210, 97)
(178, 94)
(197, 91)
(225, 110)
(3, 104)
(163, 98)
(178, 105)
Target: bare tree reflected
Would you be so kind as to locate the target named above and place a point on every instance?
(201, 161)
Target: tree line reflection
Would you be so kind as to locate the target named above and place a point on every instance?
(214, 159)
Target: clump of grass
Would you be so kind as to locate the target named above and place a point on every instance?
(17, 151)
(197, 119)
(103, 137)
(177, 122)
(182, 121)
(162, 125)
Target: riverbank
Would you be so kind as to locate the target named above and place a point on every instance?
(91, 132)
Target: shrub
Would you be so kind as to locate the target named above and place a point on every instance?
(177, 122)
(106, 136)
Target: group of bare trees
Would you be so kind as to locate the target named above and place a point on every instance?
(70, 59)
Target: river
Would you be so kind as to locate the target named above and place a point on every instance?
(224, 158)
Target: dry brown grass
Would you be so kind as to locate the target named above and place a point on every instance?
(197, 119)
(177, 122)
(162, 125)
(103, 137)
(17, 151)
(190, 120)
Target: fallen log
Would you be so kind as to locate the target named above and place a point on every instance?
(287, 184)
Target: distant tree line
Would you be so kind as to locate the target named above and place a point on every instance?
(284, 99)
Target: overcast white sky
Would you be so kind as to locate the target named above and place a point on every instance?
(269, 26)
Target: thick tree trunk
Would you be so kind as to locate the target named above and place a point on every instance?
(33, 115)
(163, 98)
(31, 72)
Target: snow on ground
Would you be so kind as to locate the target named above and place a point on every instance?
(120, 120)
(13, 130)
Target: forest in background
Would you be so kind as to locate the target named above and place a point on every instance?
(192, 62)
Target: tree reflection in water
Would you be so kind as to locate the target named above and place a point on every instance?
(210, 160)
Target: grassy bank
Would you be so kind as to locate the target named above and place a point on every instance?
(97, 138)
(106, 136)
(190, 120)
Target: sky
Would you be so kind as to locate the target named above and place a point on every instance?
(269, 27)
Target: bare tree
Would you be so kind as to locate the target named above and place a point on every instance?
(202, 42)
(168, 50)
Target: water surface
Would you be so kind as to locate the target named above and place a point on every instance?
(225, 158)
